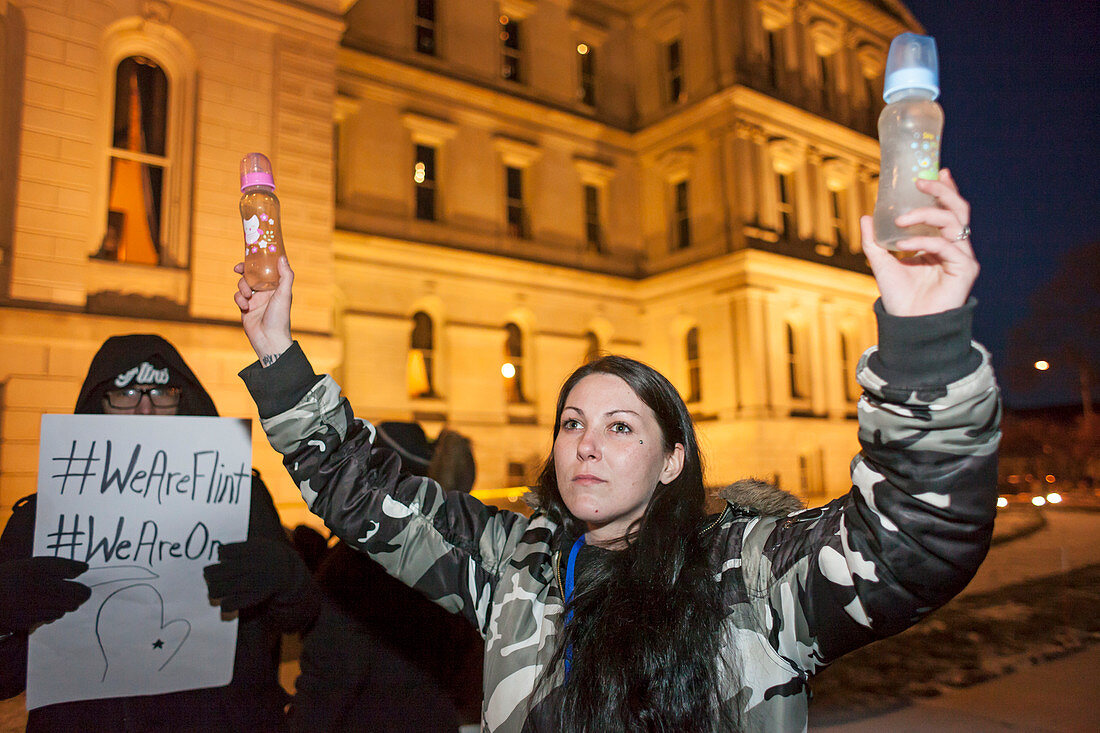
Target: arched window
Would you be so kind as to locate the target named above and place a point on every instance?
(512, 370)
(592, 347)
(691, 350)
(419, 373)
(138, 164)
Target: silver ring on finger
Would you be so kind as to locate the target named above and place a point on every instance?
(964, 234)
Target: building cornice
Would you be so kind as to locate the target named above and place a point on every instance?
(747, 268)
(376, 77)
(430, 260)
(294, 18)
(768, 113)
(752, 268)
(376, 74)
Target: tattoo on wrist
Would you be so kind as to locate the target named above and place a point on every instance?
(268, 359)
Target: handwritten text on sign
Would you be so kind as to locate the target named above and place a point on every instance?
(145, 501)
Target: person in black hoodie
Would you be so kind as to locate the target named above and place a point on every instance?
(262, 578)
(380, 651)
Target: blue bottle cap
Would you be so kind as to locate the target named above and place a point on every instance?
(912, 64)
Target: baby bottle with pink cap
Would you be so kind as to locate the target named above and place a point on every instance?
(263, 238)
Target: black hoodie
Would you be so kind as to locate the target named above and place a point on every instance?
(141, 359)
(253, 700)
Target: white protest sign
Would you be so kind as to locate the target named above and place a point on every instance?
(145, 501)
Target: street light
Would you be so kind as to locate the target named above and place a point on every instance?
(1042, 365)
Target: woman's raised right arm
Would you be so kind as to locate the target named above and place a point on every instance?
(448, 545)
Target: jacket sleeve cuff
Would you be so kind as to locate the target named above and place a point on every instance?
(280, 386)
(918, 351)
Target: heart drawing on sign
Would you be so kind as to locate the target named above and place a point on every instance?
(132, 633)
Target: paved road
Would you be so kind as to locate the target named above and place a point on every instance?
(1055, 697)
(1070, 540)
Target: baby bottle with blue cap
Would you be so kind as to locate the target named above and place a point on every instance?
(909, 131)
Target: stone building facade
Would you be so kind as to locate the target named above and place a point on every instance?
(477, 196)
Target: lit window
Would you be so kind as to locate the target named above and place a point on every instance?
(424, 180)
(587, 58)
(138, 161)
(786, 204)
(513, 355)
(511, 53)
(674, 72)
(593, 230)
(419, 374)
(516, 213)
(425, 27)
(681, 217)
(691, 350)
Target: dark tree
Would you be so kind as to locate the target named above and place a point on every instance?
(1063, 328)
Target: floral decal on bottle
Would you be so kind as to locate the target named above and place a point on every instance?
(926, 156)
(257, 236)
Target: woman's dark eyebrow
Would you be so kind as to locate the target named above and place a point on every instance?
(606, 414)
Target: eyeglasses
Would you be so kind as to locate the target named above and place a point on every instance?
(124, 399)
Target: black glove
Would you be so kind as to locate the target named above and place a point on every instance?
(37, 590)
(253, 572)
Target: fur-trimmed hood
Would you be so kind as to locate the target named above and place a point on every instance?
(762, 497)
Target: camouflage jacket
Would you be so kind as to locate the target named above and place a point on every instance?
(802, 588)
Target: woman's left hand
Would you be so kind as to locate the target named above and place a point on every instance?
(940, 271)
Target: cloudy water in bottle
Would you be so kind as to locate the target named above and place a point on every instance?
(909, 131)
(263, 237)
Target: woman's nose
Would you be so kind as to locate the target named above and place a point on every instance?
(588, 447)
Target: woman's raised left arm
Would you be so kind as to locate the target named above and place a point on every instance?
(918, 520)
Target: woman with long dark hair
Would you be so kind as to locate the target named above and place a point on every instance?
(620, 605)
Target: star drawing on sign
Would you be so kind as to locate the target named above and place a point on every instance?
(158, 644)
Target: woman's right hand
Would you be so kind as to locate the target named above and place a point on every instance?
(265, 314)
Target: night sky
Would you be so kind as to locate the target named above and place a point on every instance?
(1020, 81)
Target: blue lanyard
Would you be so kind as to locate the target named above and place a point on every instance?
(570, 567)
